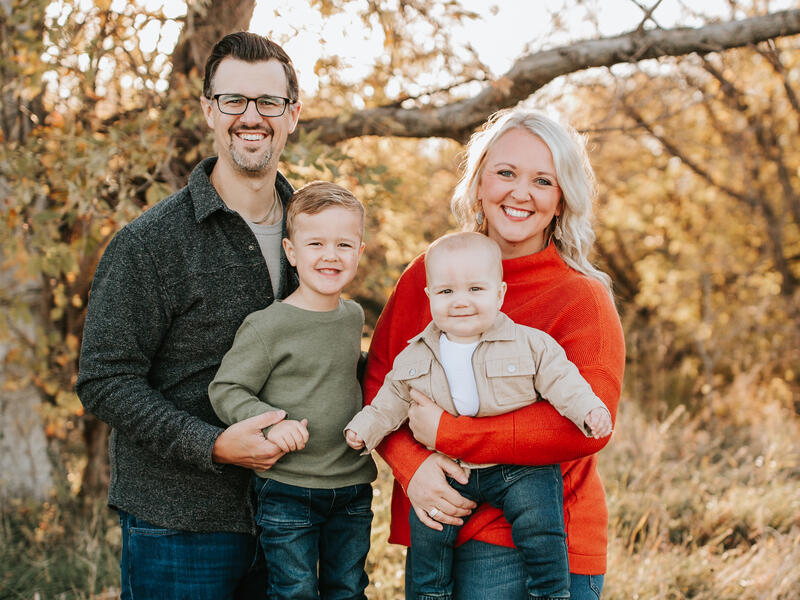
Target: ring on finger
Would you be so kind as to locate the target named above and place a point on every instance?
(433, 512)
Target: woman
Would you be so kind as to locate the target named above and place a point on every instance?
(527, 185)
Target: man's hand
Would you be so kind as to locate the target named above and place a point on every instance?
(289, 435)
(353, 439)
(244, 444)
(423, 419)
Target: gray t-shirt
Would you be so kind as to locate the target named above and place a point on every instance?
(269, 240)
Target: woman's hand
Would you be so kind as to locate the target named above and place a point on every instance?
(434, 501)
(423, 419)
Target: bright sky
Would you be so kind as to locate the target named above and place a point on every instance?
(505, 30)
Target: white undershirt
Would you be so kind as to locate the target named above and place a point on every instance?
(269, 240)
(457, 364)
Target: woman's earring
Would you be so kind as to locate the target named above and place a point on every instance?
(557, 233)
(479, 217)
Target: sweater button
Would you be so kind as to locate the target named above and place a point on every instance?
(511, 368)
(251, 247)
(412, 372)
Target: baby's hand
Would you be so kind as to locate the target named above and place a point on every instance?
(599, 422)
(353, 439)
(289, 435)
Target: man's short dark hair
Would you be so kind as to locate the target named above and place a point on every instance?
(249, 47)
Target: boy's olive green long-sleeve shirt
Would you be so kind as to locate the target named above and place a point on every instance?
(303, 362)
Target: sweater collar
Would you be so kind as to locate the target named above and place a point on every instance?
(207, 200)
(542, 264)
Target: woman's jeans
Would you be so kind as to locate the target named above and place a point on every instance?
(531, 499)
(488, 572)
(301, 527)
(168, 564)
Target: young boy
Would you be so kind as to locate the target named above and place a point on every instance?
(300, 356)
(473, 360)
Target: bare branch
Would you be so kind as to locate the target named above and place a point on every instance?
(765, 137)
(458, 119)
(754, 200)
(770, 52)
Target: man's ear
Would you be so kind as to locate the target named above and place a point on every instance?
(208, 108)
(294, 115)
(288, 248)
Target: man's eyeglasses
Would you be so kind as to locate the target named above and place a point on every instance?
(236, 104)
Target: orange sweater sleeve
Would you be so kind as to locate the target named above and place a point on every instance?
(405, 315)
(588, 328)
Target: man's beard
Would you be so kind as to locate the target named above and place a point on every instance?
(248, 163)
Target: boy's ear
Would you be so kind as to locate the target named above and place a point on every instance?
(361, 249)
(288, 248)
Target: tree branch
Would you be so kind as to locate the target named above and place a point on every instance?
(458, 119)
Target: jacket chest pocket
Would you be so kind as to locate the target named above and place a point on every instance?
(416, 374)
(511, 379)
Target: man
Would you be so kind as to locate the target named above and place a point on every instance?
(168, 296)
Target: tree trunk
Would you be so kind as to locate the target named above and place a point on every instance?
(26, 470)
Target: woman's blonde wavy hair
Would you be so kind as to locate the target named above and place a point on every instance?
(573, 172)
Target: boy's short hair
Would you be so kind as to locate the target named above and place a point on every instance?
(466, 239)
(315, 197)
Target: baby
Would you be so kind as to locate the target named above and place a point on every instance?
(473, 360)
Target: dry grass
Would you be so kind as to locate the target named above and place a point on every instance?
(702, 506)
(707, 507)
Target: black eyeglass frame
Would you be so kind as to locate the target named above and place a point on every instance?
(286, 102)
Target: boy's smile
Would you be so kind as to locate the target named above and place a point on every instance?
(325, 248)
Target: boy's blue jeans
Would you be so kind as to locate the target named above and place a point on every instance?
(301, 527)
(532, 500)
(168, 564)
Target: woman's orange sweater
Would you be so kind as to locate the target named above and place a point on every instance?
(545, 293)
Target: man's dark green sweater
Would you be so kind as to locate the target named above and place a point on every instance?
(169, 294)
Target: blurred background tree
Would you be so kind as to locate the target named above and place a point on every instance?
(694, 134)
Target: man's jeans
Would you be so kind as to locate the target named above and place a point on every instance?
(489, 572)
(531, 499)
(159, 563)
(302, 526)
